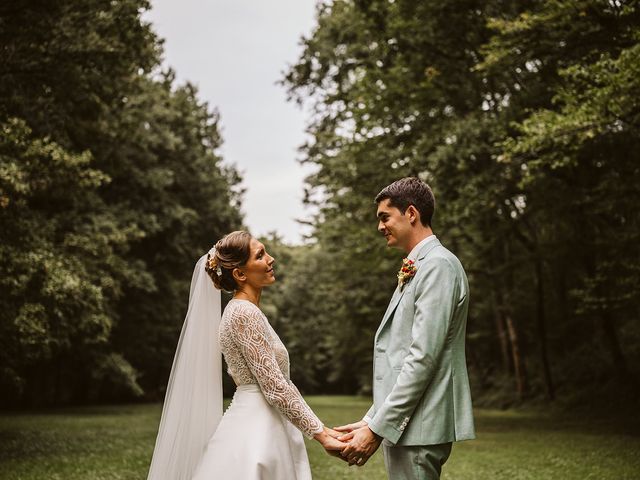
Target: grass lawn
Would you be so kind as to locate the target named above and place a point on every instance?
(115, 443)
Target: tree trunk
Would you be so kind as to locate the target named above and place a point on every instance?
(611, 338)
(517, 354)
(501, 330)
(542, 329)
(520, 371)
(606, 324)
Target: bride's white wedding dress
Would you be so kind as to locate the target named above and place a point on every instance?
(257, 437)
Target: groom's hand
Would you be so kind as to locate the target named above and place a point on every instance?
(333, 433)
(337, 454)
(350, 427)
(362, 444)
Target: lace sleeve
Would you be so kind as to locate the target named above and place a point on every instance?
(251, 335)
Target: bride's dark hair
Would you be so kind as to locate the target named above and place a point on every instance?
(232, 251)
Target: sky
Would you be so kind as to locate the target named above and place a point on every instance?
(235, 51)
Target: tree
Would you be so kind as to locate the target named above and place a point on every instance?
(112, 187)
(523, 118)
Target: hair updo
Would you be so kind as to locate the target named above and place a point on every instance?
(232, 251)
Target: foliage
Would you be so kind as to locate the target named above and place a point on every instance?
(523, 117)
(110, 188)
(55, 282)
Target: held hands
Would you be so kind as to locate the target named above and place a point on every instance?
(328, 438)
(354, 443)
(350, 427)
(362, 442)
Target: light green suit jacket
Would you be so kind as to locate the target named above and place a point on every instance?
(421, 390)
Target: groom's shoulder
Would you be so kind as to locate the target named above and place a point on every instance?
(442, 255)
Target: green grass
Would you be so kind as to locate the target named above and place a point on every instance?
(115, 443)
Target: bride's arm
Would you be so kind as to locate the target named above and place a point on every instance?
(328, 437)
(250, 333)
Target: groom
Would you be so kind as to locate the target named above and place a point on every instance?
(421, 397)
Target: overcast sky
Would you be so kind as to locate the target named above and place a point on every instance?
(235, 51)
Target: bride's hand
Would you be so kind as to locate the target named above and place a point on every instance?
(350, 427)
(328, 440)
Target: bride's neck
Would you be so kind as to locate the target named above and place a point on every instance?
(246, 292)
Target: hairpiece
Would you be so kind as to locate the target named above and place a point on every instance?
(211, 263)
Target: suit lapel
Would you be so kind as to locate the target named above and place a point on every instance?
(397, 294)
(395, 299)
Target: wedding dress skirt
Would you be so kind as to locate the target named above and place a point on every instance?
(254, 442)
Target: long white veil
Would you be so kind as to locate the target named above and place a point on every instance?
(193, 402)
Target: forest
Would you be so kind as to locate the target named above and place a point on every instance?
(523, 116)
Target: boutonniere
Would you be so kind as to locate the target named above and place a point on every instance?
(406, 273)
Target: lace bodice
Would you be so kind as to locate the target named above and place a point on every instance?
(256, 355)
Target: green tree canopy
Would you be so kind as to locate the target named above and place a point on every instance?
(523, 118)
(110, 189)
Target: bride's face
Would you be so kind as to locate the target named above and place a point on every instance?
(258, 271)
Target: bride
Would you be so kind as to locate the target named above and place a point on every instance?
(260, 434)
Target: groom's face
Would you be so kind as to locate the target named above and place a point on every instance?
(393, 224)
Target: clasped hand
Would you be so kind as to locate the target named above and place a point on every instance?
(358, 443)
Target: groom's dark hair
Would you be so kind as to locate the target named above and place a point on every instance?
(410, 191)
